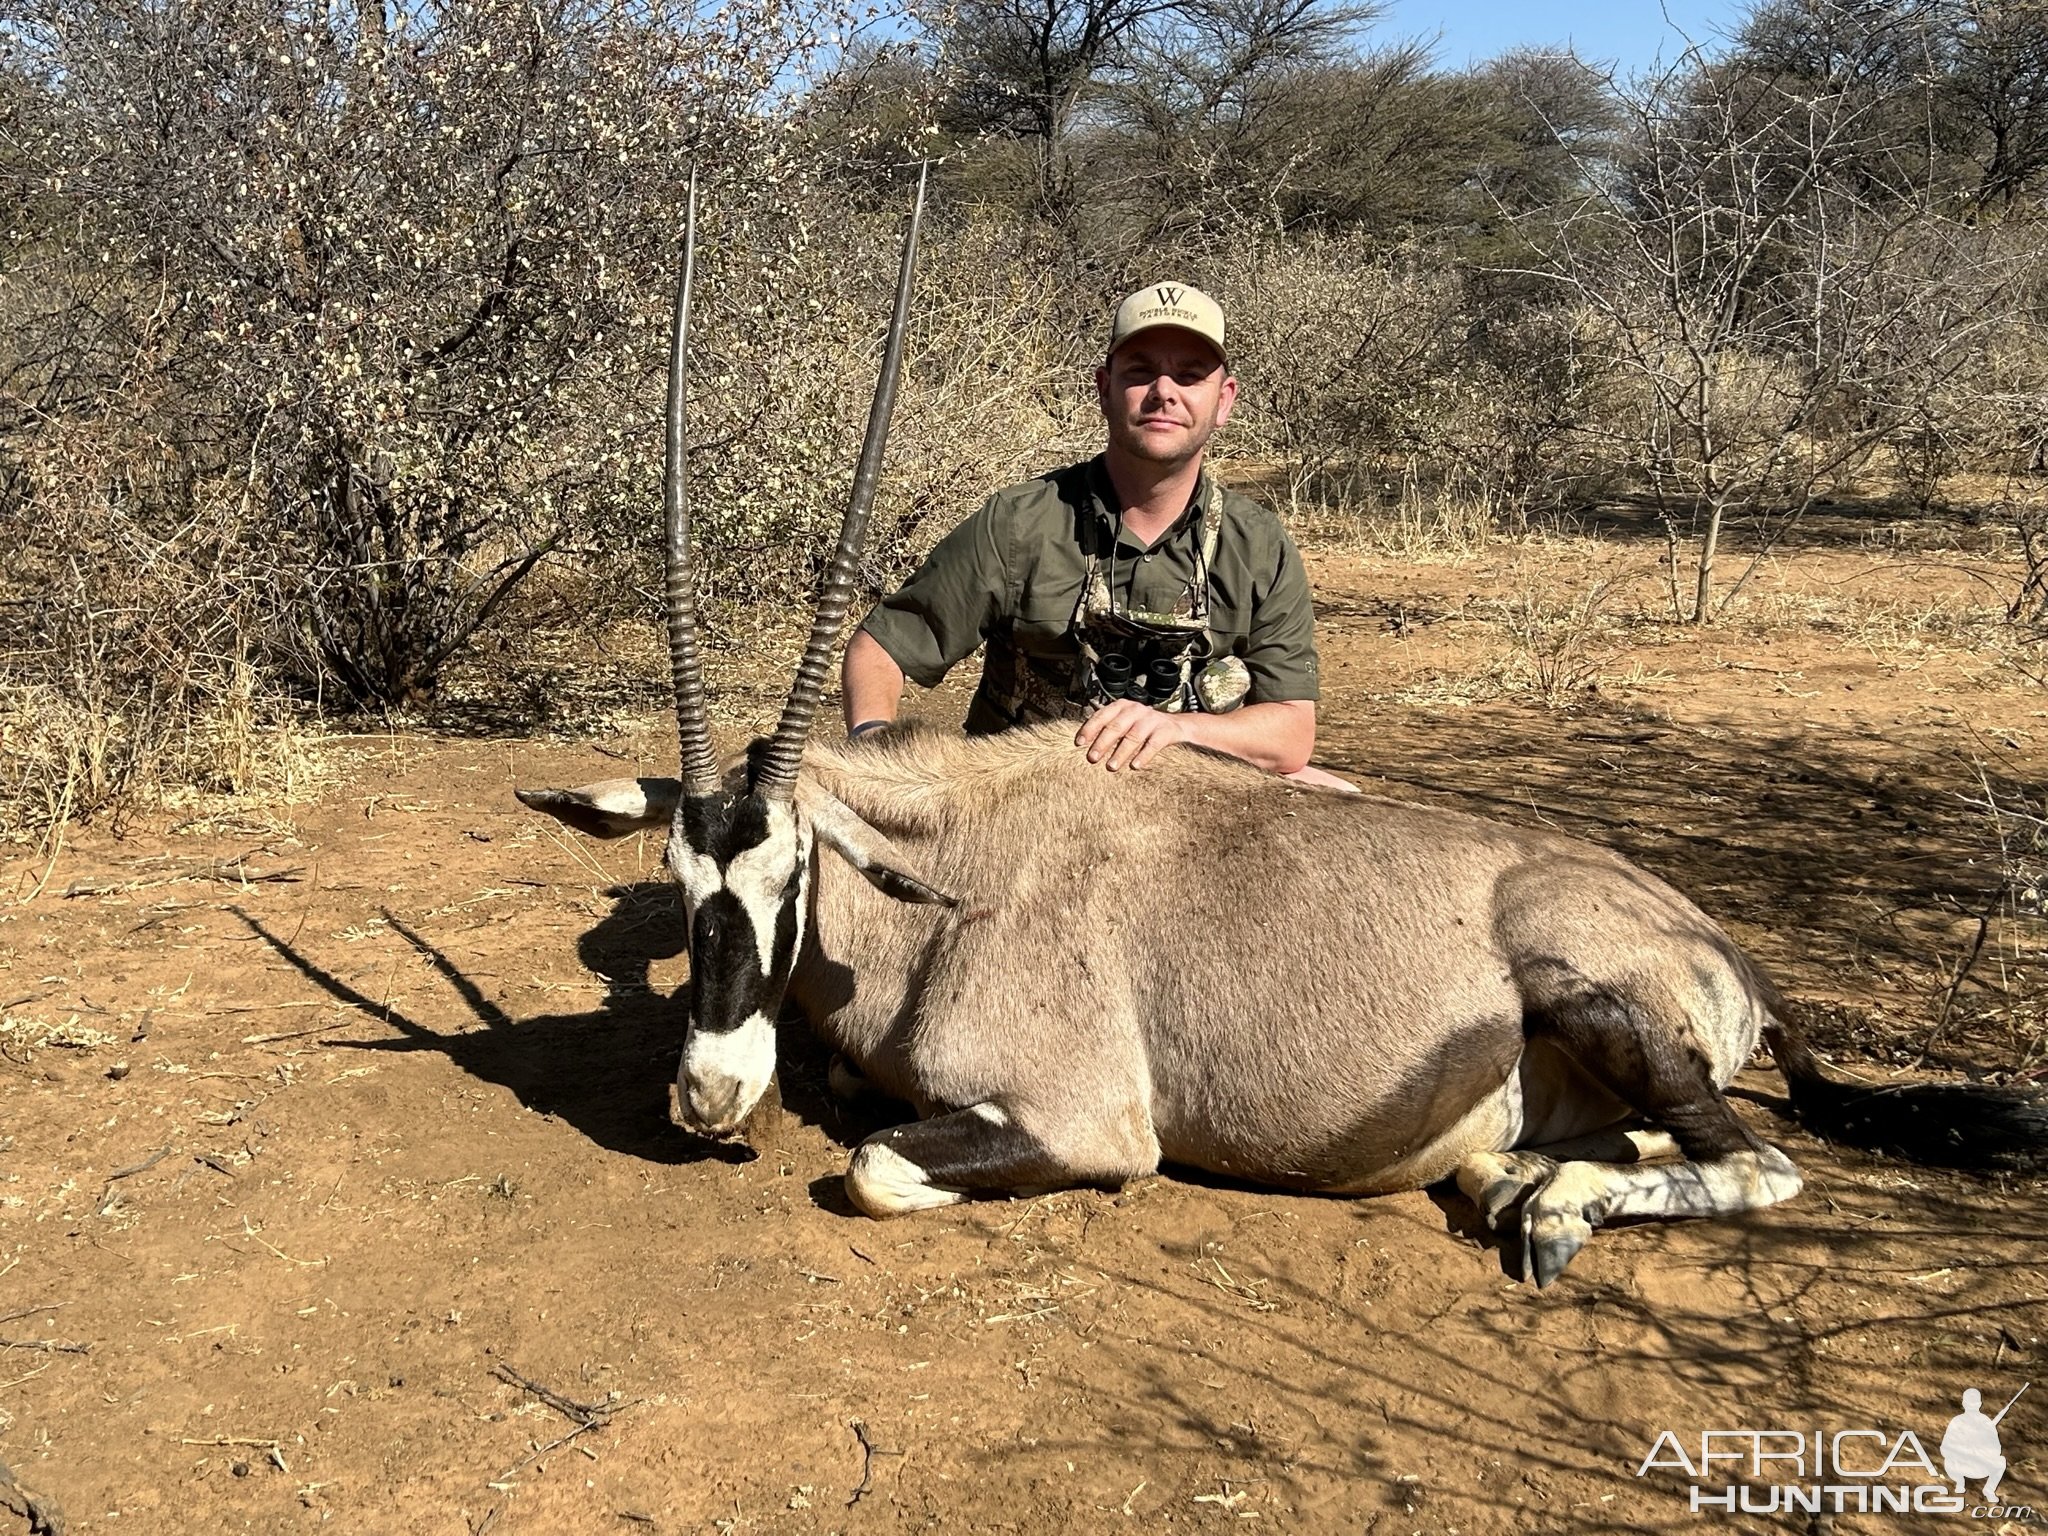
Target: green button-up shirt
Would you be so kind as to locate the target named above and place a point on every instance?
(1010, 577)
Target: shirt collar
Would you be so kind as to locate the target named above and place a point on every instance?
(1108, 507)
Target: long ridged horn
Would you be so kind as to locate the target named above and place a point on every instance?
(777, 777)
(700, 763)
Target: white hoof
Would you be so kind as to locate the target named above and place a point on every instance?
(883, 1182)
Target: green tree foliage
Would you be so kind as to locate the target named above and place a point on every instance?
(388, 265)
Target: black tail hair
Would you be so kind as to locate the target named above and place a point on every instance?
(1974, 1126)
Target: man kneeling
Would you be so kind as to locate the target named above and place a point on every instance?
(1132, 592)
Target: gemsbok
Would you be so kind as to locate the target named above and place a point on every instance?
(1074, 975)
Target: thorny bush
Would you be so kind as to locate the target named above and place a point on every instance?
(404, 271)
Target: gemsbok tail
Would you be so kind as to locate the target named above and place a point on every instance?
(1973, 1126)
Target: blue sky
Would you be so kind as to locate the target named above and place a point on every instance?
(1630, 33)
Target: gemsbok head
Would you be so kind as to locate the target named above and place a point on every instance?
(740, 845)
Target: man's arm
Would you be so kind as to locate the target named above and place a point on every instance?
(1277, 736)
(870, 682)
(932, 621)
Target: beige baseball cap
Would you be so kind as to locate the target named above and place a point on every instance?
(1174, 304)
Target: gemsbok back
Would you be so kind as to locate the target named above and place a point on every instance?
(1075, 976)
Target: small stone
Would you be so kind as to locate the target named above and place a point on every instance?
(240, 1469)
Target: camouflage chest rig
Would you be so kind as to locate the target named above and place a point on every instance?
(1167, 661)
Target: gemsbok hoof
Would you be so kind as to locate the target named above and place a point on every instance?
(883, 1182)
(1551, 1239)
(1499, 1182)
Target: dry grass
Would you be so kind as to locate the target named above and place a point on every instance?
(1413, 517)
(69, 758)
(1556, 636)
(1562, 642)
(1999, 981)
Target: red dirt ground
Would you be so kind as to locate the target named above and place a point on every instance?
(363, 1121)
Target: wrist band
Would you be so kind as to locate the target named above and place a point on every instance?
(867, 725)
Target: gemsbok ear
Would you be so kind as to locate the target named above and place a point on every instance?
(610, 808)
(880, 861)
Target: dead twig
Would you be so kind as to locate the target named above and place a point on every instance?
(541, 1450)
(600, 1416)
(134, 1168)
(56, 847)
(254, 1235)
(297, 1002)
(235, 874)
(869, 1451)
(49, 1346)
(289, 1034)
(1964, 966)
(585, 1414)
(48, 1306)
(129, 1172)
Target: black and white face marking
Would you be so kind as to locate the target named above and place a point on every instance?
(744, 863)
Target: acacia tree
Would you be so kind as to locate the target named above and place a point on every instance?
(1023, 73)
(1997, 88)
(1210, 124)
(396, 262)
(1766, 278)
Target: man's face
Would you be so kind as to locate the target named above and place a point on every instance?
(1163, 393)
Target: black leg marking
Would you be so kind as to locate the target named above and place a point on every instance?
(1650, 1064)
(938, 1161)
(1653, 1065)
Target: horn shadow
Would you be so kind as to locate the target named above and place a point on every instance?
(606, 1072)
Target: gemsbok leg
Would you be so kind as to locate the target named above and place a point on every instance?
(1497, 1181)
(1639, 1053)
(983, 1148)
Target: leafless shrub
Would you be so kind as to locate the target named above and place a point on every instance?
(2030, 606)
(1558, 640)
(1774, 293)
(1365, 374)
(1998, 978)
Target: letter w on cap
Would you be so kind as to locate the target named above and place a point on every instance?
(1169, 296)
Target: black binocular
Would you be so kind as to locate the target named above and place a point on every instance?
(1118, 676)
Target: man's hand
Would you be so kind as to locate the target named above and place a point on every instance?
(1126, 734)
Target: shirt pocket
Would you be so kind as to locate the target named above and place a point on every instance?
(1230, 630)
(1041, 625)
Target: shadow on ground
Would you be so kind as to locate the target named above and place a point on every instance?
(1838, 857)
(606, 1072)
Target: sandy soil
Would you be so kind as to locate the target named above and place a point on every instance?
(336, 1183)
